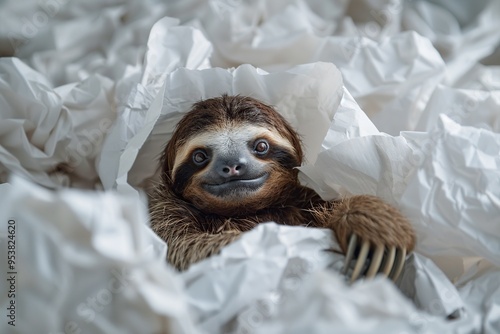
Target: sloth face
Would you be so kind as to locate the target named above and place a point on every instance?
(232, 156)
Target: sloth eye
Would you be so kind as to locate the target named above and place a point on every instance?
(261, 146)
(199, 157)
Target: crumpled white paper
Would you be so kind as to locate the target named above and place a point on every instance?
(463, 33)
(68, 41)
(477, 108)
(52, 135)
(482, 296)
(429, 288)
(261, 264)
(370, 307)
(265, 35)
(453, 197)
(170, 47)
(402, 89)
(281, 279)
(380, 167)
(81, 256)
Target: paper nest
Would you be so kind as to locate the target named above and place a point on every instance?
(391, 98)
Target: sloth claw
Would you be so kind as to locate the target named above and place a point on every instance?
(373, 260)
(376, 261)
(365, 247)
(400, 262)
(389, 261)
(350, 253)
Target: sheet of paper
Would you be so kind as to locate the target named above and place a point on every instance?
(85, 262)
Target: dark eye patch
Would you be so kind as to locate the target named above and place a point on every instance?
(182, 175)
(187, 169)
(275, 152)
(283, 157)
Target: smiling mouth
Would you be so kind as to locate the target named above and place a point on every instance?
(232, 186)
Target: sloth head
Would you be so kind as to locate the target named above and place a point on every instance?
(232, 155)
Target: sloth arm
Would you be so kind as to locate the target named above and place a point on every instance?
(187, 244)
(190, 235)
(366, 216)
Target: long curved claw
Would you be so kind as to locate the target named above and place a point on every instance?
(365, 247)
(389, 261)
(400, 261)
(350, 253)
(390, 264)
(376, 261)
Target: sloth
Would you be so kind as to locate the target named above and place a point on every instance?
(231, 164)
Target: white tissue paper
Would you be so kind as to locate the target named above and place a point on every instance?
(170, 47)
(81, 257)
(52, 135)
(462, 32)
(397, 99)
(265, 35)
(477, 108)
(276, 280)
(68, 41)
(453, 197)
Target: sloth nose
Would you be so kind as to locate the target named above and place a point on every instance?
(228, 169)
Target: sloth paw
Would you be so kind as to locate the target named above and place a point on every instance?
(374, 233)
(372, 260)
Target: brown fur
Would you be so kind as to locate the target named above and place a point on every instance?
(196, 225)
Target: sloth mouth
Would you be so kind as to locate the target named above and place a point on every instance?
(235, 185)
